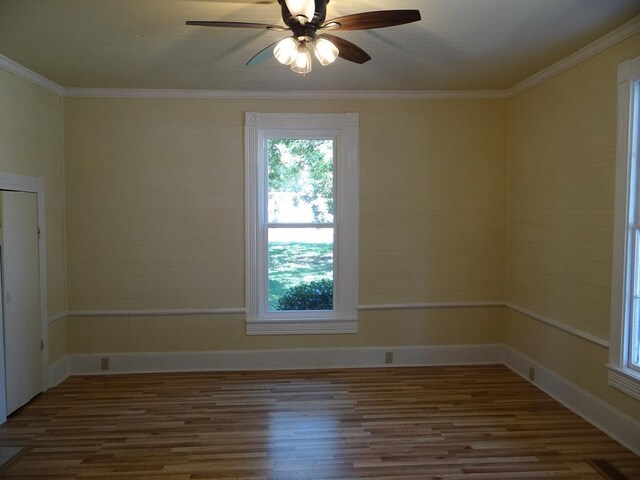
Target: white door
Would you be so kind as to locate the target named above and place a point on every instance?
(21, 298)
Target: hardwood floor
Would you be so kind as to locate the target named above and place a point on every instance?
(471, 422)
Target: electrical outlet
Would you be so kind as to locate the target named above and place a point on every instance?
(388, 357)
(532, 374)
(104, 363)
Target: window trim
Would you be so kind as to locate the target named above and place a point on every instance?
(345, 129)
(622, 375)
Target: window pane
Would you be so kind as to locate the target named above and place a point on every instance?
(635, 247)
(300, 269)
(634, 320)
(300, 180)
(634, 357)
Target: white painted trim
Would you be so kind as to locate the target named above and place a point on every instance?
(23, 72)
(59, 371)
(65, 277)
(429, 306)
(610, 39)
(21, 183)
(3, 368)
(624, 381)
(622, 270)
(282, 95)
(251, 211)
(156, 312)
(619, 262)
(599, 413)
(560, 325)
(344, 129)
(59, 316)
(302, 327)
(288, 359)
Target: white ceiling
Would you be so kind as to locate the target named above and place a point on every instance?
(458, 45)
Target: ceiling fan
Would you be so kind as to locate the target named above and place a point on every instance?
(306, 21)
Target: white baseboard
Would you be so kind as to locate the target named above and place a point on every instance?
(594, 410)
(289, 359)
(607, 418)
(59, 371)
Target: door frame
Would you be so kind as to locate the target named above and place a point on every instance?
(21, 183)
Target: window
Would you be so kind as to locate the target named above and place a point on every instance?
(302, 223)
(624, 352)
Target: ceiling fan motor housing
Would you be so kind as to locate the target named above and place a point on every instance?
(306, 29)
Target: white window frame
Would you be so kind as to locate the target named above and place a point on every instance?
(623, 375)
(344, 129)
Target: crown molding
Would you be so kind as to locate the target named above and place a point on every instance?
(610, 39)
(23, 72)
(280, 95)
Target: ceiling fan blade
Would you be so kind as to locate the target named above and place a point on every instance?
(263, 55)
(278, 28)
(369, 20)
(347, 50)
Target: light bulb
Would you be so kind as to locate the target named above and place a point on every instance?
(326, 52)
(302, 63)
(303, 10)
(286, 51)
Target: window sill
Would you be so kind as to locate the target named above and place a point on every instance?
(627, 381)
(301, 327)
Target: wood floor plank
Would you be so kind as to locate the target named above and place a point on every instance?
(446, 423)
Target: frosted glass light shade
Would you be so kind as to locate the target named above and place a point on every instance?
(302, 8)
(326, 52)
(302, 63)
(286, 51)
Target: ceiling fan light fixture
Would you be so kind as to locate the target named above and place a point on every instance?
(326, 52)
(302, 63)
(286, 51)
(303, 10)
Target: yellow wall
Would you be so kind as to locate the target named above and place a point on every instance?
(579, 361)
(562, 150)
(461, 200)
(155, 200)
(31, 144)
(58, 342)
(227, 332)
(155, 217)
